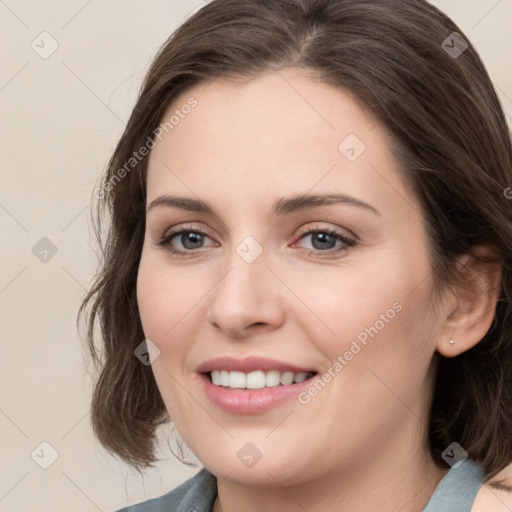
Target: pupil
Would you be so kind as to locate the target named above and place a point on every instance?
(324, 240)
(192, 238)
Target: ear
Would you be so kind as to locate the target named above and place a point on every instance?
(470, 310)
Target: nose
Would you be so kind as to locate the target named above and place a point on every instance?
(246, 299)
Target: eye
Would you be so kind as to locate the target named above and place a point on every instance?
(191, 240)
(324, 241)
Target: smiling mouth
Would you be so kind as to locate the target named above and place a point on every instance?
(258, 379)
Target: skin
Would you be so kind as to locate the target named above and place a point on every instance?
(496, 498)
(360, 444)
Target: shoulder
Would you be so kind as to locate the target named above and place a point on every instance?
(458, 489)
(197, 493)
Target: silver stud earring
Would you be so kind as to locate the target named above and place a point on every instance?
(451, 342)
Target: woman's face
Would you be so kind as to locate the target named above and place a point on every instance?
(285, 284)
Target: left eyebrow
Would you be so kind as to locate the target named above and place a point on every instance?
(302, 202)
(281, 207)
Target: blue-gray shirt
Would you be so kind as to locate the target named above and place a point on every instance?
(456, 492)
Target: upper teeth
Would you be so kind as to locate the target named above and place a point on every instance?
(257, 379)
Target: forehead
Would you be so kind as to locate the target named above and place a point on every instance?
(281, 131)
(272, 110)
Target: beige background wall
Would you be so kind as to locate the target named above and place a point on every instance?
(61, 115)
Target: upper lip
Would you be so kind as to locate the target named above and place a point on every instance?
(249, 364)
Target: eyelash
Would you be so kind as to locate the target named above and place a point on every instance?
(165, 240)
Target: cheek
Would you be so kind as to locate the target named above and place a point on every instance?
(166, 311)
(164, 294)
(160, 302)
(151, 299)
(342, 302)
(172, 305)
(377, 310)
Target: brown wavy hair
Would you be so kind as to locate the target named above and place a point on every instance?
(450, 137)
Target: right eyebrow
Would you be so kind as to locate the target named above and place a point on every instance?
(184, 203)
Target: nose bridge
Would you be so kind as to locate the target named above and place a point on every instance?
(244, 295)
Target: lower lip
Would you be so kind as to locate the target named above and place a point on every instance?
(251, 401)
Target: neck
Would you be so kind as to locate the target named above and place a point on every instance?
(410, 496)
(407, 491)
(403, 478)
